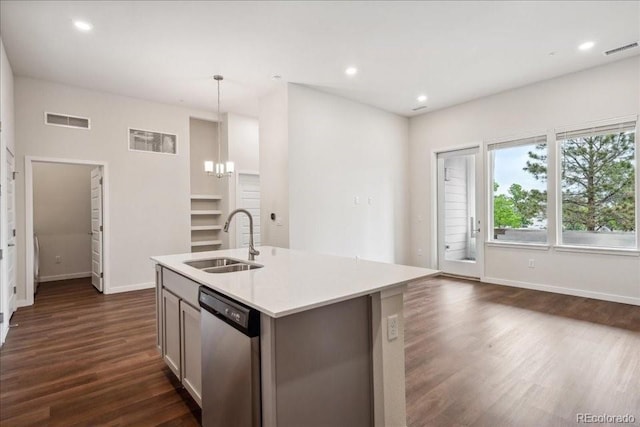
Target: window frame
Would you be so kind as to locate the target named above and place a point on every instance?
(559, 219)
(529, 138)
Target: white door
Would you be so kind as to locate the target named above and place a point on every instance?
(9, 290)
(96, 229)
(459, 237)
(249, 199)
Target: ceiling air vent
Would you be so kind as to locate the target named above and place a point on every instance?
(621, 48)
(422, 107)
(64, 120)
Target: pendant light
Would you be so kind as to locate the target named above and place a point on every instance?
(221, 168)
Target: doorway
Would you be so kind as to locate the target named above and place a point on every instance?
(67, 217)
(460, 240)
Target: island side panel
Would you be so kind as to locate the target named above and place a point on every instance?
(268, 370)
(323, 366)
(388, 359)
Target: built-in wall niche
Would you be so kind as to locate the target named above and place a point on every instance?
(206, 217)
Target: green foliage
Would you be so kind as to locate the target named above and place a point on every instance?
(598, 181)
(529, 205)
(519, 208)
(504, 213)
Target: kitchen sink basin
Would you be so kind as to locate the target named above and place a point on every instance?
(222, 265)
(212, 262)
(233, 267)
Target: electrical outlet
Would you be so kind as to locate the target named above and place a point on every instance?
(370, 200)
(392, 327)
(419, 252)
(356, 200)
(58, 259)
(532, 263)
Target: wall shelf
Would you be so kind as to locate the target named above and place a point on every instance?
(206, 229)
(206, 243)
(206, 212)
(205, 197)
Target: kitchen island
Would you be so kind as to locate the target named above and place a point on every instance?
(331, 332)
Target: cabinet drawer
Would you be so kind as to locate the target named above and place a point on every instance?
(181, 286)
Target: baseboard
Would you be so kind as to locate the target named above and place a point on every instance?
(22, 303)
(565, 291)
(129, 288)
(65, 276)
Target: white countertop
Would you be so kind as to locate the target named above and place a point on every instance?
(293, 281)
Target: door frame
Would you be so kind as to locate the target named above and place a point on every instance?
(28, 187)
(234, 228)
(480, 202)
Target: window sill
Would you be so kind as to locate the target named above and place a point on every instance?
(602, 251)
(519, 245)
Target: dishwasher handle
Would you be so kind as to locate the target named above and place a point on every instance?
(244, 319)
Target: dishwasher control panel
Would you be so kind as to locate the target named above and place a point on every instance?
(225, 308)
(234, 315)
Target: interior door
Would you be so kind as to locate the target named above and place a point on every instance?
(11, 234)
(97, 276)
(249, 199)
(460, 240)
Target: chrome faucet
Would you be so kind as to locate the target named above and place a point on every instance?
(252, 250)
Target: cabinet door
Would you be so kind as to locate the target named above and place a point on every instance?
(191, 348)
(171, 331)
(159, 309)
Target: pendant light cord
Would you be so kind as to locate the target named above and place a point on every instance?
(218, 78)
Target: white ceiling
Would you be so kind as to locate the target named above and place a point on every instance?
(451, 51)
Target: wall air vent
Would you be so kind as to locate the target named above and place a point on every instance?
(67, 121)
(621, 48)
(422, 107)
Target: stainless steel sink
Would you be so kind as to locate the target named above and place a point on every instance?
(212, 262)
(222, 265)
(232, 268)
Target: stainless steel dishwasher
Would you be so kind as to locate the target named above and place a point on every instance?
(230, 362)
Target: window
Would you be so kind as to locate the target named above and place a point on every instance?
(519, 190)
(598, 186)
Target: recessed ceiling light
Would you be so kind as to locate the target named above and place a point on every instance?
(422, 98)
(351, 71)
(83, 26)
(586, 45)
(276, 77)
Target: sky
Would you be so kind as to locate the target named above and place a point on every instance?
(508, 166)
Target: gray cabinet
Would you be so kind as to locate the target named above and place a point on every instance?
(178, 321)
(190, 346)
(159, 308)
(171, 331)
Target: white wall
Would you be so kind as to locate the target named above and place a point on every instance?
(317, 153)
(62, 219)
(340, 150)
(274, 167)
(7, 140)
(148, 192)
(600, 93)
(242, 141)
(203, 141)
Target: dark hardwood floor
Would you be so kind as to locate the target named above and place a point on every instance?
(78, 357)
(477, 354)
(485, 355)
